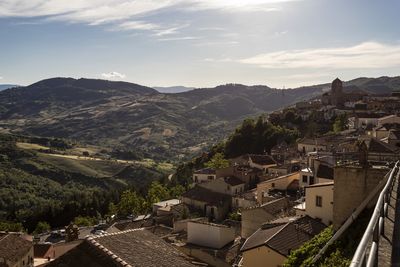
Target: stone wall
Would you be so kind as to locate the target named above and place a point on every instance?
(352, 186)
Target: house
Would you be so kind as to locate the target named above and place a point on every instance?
(380, 151)
(169, 214)
(209, 234)
(362, 120)
(16, 250)
(137, 247)
(166, 203)
(282, 183)
(324, 173)
(212, 204)
(390, 119)
(43, 253)
(254, 217)
(306, 176)
(283, 152)
(258, 161)
(204, 175)
(244, 172)
(271, 244)
(306, 145)
(246, 199)
(261, 162)
(319, 202)
(394, 138)
(230, 185)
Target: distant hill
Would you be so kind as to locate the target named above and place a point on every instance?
(173, 89)
(135, 117)
(6, 86)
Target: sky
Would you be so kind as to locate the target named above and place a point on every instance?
(199, 43)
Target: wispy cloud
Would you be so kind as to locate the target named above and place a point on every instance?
(96, 12)
(113, 75)
(368, 55)
(138, 25)
(181, 38)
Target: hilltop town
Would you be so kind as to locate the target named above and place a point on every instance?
(250, 210)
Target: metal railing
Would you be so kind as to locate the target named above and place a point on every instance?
(375, 226)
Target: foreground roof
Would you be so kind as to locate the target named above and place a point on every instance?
(13, 246)
(136, 248)
(284, 237)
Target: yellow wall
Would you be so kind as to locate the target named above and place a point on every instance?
(325, 213)
(262, 257)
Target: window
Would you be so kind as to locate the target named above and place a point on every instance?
(305, 179)
(318, 201)
(210, 177)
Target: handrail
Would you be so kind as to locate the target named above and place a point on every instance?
(352, 218)
(375, 227)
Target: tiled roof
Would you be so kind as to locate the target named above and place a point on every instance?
(126, 225)
(284, 238)
(276, 206)
(204, 195)
(233, 181)
(376, 146)
(129, 248)
(394, 134)
(325, 172)
(262, 235)
(205, 171)
(13, 246)
(262, 159)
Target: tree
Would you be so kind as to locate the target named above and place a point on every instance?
(340, 123)
(157, 192)
(42, 227)
(130, 203)
(218, 161)
(84, 221)
(176, 191)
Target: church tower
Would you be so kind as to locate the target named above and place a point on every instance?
(337, 92)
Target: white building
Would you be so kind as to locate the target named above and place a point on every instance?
(209, 234)
(204, 175)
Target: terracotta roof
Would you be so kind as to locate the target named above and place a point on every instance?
(262, 159)
(204, 195)
(13, 246)
(129, 248)
(205, 171)
(325, 172)
(233, 181)
(284, 238)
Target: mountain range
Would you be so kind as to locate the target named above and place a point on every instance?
(133, 117)
(6, 86)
